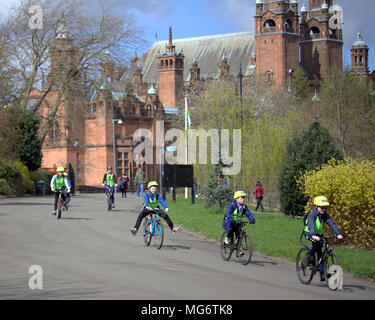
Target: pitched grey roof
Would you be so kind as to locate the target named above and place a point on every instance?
(208, 51)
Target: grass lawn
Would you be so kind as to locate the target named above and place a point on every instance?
(273, 235)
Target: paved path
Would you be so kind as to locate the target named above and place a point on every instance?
(91, 254)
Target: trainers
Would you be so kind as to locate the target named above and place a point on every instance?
(133, 231)
(113, 206)
(226, 240)
(322, 277)
(175, 229)
(54, 212)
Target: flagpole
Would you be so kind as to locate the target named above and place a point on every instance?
(186, 139)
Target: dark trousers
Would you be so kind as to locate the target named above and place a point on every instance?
(63, 196)
(146, 212)
(259, 203)
(315, 248)
(234, 228)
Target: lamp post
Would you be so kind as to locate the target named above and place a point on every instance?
(119, 121)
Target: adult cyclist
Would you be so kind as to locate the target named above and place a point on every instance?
(59, 183)
(110, 182)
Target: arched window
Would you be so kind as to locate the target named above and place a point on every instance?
(314, 31)
(288, 25)
(162, 63)
(269, 24)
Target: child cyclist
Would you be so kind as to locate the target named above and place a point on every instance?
(152, 198)
(59, 182)
(235, 211)
(314, 231)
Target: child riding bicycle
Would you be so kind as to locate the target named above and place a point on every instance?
(314, 231)
(58, 183)
(235, 211)
(110, 182)
(152, 198)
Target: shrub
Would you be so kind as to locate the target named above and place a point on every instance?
(304, 152)
(349, 186)
(11, 176)
(217, 195)
(27, 183)
(5, 188)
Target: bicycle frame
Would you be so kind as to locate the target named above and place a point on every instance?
(153, 221)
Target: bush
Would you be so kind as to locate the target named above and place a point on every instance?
(217, 195)
(306, 151)
(10, 178)
(27, 183)
(349, 186)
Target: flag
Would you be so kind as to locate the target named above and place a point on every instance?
(187, 115)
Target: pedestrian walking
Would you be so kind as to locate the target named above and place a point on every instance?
(259, 192)
(140, 181)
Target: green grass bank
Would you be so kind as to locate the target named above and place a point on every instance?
(273, 235)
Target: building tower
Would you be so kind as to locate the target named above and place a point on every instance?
(277, 40)
(360, 52)
(171, 75)
(321, 46)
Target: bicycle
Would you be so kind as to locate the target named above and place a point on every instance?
(243, 245)
(331, 263)
(60, 203)
(153, 229)
(108, 198)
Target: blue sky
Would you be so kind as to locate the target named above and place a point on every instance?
(193, 18)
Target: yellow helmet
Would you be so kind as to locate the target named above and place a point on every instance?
(239, 194)
(152, 184)
(60, 169)
(321, 201)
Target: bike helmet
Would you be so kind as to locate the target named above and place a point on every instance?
(321, 201)
(152, 184)
(109, 168)
(239, 194)
(60, 169)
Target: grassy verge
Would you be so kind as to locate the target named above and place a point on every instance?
(273, 235)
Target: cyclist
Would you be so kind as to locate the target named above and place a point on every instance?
(58, 183)
(235, 211)
(110, 182)
(314, 231)
(66, 175)
(152, 198)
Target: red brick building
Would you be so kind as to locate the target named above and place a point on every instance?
(153, 86)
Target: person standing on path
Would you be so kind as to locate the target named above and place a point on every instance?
(259, 192)
(140, 181)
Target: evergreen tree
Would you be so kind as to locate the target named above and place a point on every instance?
(300, 84)
(306, 151)
(19, 137)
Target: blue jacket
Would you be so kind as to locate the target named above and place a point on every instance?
(160, 199)
(231, 208)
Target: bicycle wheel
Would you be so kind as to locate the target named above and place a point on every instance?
(245, 249)
(59, 209)
(146, 232)
(109, 202)
(225, 249)
(158, 234)
(331, 271)
(304, 273)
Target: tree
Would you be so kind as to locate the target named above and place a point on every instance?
(19, 137)
(94, 32)
(306, 151)
(348, 109)
(300, 84)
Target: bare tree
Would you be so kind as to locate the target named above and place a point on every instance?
(95, 28)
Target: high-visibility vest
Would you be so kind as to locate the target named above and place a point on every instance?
(109, 180)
